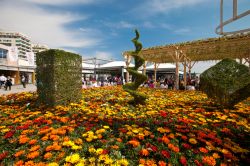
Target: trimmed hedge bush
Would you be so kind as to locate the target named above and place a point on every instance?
(58, 77)
(139, 78)
(228, 82)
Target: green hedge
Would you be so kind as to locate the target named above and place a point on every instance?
(228, 82)
(58, 77)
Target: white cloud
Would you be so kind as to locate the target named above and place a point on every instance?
(100, 55)
(43, 26)
(60, 2)
(152, 7)
(148, 24)
(118, 25)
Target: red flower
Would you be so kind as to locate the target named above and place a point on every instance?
(105, 151)
(9, 134)
(183, 160)
(186, 146)
(165, 153)
(163, 114)
(3, 155)
(197, 163)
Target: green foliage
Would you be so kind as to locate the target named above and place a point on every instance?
(228, 82)
(58, 77)
(139, 78)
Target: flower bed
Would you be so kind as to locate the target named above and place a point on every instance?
(174, 127)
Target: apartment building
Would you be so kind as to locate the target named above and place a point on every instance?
(21, 41)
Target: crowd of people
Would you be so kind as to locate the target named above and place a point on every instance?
(167, 83)
(6, 82)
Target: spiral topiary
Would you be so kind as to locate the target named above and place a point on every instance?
(139, 78)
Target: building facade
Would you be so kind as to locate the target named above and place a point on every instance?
(14, 66)
(19, 40)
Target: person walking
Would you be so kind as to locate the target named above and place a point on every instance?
(23, 80)
(8, 83)
(2, 80)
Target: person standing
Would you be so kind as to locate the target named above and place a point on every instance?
(8, 83)
(2, 80)
(23, 80)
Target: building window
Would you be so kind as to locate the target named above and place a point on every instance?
(3, 53)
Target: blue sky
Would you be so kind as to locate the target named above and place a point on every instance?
(104, 28)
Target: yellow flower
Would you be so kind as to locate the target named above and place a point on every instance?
(75, 147)
(91, 159)
(89, 139)
(99, 151)
(106, 127)
(68, 143)
(123, 162)
(92, 150)
(53, 164)
(73, 158)
(108, 161)
(103, 157)
(192, 141)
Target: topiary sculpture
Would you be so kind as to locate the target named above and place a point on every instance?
(139, 78)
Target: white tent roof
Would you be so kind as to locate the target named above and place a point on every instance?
(162, 66)
(115, 64)
(87, 65)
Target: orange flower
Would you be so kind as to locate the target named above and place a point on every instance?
(115, 147)
(60, 156)
(33, 155)
(192, 141)
(54, 137)
(144, 152)
(142, 161)
(19, 163)
(165, 139)
(33, 141)
(47, 156)
(135, 143)
(65, 139)
(29, 163)
(23, 139)
(216, 156)
(209, 160)
(119, 140)
(49, 148)
(35, 148)
(19, 153)
(45, 138)
(203, 150)
(162, 163)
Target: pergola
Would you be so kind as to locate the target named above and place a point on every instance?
(187, 53)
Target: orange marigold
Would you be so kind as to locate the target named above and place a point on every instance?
(203, 150)
(135, 143)
(33, 141)
(23, 139)
(33, 155)
(34, 148)
(19, 163)
(19, 153)
(144, 152)
(165, 139)
(47, 156)
(162, 163)
(209, 160)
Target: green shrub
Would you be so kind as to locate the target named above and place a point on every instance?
(58, 77)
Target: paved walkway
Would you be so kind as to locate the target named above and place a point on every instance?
(18, 89)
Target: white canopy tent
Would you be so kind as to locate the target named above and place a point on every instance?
(115, 65)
